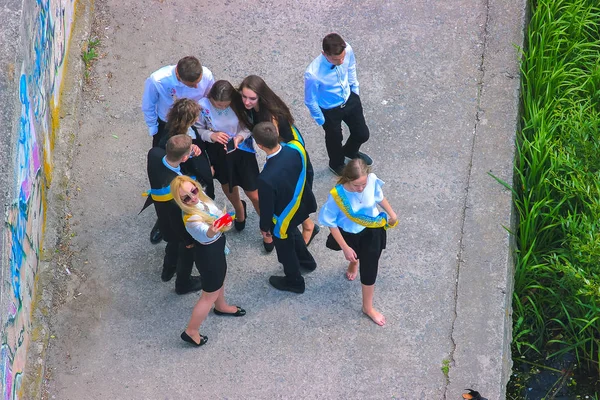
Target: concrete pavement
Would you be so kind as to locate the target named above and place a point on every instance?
(439, 84)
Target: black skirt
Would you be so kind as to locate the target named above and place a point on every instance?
(238, 168)
(211, 263)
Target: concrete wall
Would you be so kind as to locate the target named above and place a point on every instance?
(34, 38)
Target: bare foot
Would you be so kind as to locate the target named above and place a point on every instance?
(352, 271)
(376, 316)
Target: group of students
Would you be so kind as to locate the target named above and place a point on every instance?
(204, 130)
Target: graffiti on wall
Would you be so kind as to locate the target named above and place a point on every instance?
(46, 30)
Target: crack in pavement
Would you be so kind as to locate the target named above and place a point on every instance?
(459, 259)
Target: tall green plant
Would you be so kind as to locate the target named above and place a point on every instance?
(557, 184)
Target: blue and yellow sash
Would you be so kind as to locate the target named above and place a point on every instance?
(161, 195)
(297, 135)
(282, 222)
(343, 203)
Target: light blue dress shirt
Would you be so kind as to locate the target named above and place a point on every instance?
(327, 85)
(365, 203)
(161, 90)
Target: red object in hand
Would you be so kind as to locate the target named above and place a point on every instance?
(224, 220)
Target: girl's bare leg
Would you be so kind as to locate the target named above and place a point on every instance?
(307, 229)
(234, 199)
(376, 316)
(253, 196)
(199, 313)
(352, 271)
(221, 303)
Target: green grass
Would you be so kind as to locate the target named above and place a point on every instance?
(89, 54)
(556, 303)
(445, 368)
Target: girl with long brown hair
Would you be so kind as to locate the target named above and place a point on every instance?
(222, 122)
(263, 105)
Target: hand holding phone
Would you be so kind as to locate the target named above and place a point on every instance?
(225, 220)
(230, 146)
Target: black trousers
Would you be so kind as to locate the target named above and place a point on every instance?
(160, 134)
(352, 114)
(177, 254)
(293, 254)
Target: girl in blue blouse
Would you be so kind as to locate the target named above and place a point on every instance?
(199, 216)
(358, 228)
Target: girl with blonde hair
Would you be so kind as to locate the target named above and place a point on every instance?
(358, 228)
(199, 216)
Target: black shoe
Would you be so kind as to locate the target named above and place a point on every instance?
(193, 285)
(187, 338)
(156, 235)
(337, 170)
(368, 160)
(167, 272)
(314, 233)
(239, 226)
(239, 313)
(309, 267)
(269, 246)
(282, 283)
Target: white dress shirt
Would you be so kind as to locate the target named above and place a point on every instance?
(161, 90)
(198, 229)
(327, 85)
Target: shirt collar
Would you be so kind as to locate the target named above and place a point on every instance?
(326, 62)
(174, 169)
(274, 154)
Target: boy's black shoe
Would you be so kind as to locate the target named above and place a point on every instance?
(282, 283)
(337, 170)
(368, 160)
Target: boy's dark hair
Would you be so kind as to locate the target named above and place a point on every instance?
(189, 69)
(266, 135)
(178, 146)
(333, 44)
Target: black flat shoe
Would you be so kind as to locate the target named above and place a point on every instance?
(269, 246)
(187, 338)
(239, 313)
(314, 233)
(239, 226)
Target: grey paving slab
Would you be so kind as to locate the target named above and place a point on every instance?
(440, 100)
